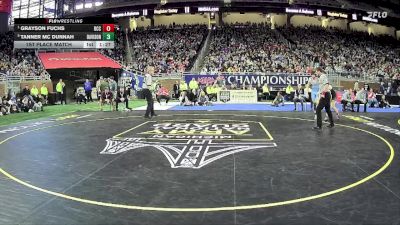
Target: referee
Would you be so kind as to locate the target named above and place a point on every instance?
(324, 102)
(147, 85)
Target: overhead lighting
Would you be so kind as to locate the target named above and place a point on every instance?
(79, 6)
(88, 5)
(98, 4)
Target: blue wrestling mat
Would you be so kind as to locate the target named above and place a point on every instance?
(267, 107)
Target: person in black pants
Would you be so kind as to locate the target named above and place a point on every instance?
(361, 99)
(324, 102)
(150, 103)
(147, 85)
(64, 95)
(177, 91)
(122, 96)
(88, 90)
(26, 91)
(299, 96)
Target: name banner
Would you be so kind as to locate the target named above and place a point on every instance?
(300, 11)
(273, 80)
(237, 96)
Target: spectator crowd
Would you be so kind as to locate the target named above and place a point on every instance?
(257, 48)
(237, 48)
(352, 52)
(168, 49)
(118, 52)
(248, 48)
(31, 99)
(18, 62)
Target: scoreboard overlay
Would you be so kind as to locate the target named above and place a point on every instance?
(85, 33)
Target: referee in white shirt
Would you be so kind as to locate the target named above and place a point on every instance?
(147, 85)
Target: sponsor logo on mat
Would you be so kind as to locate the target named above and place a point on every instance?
(369, 121)
(193, 143)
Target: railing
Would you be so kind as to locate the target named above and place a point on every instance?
(3, 77)
(200, 57)
(176, 75)
(281, 37)
(24, 78)
(244, 73)
(353, 76)
(128, 53)
(335, 76)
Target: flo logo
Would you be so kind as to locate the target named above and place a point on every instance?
(377, 15)
(193, 143)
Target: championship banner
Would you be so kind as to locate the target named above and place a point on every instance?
(274, 80)
(5, 6)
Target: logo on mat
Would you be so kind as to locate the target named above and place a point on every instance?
(193, 143)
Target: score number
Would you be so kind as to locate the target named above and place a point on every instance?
(108, 28)
(104, 28)
(108, 32)
(108, 36)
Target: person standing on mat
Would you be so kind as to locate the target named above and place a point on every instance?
(324, 102)
(147, 85)
(333, 104)
(322, 80)
(313, 82)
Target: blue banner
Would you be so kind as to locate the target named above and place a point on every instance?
(51, 10)
(138, 78)
(273, 80)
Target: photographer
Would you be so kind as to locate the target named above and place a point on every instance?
(162, 93)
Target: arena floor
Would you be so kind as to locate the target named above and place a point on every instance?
(191, 167)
